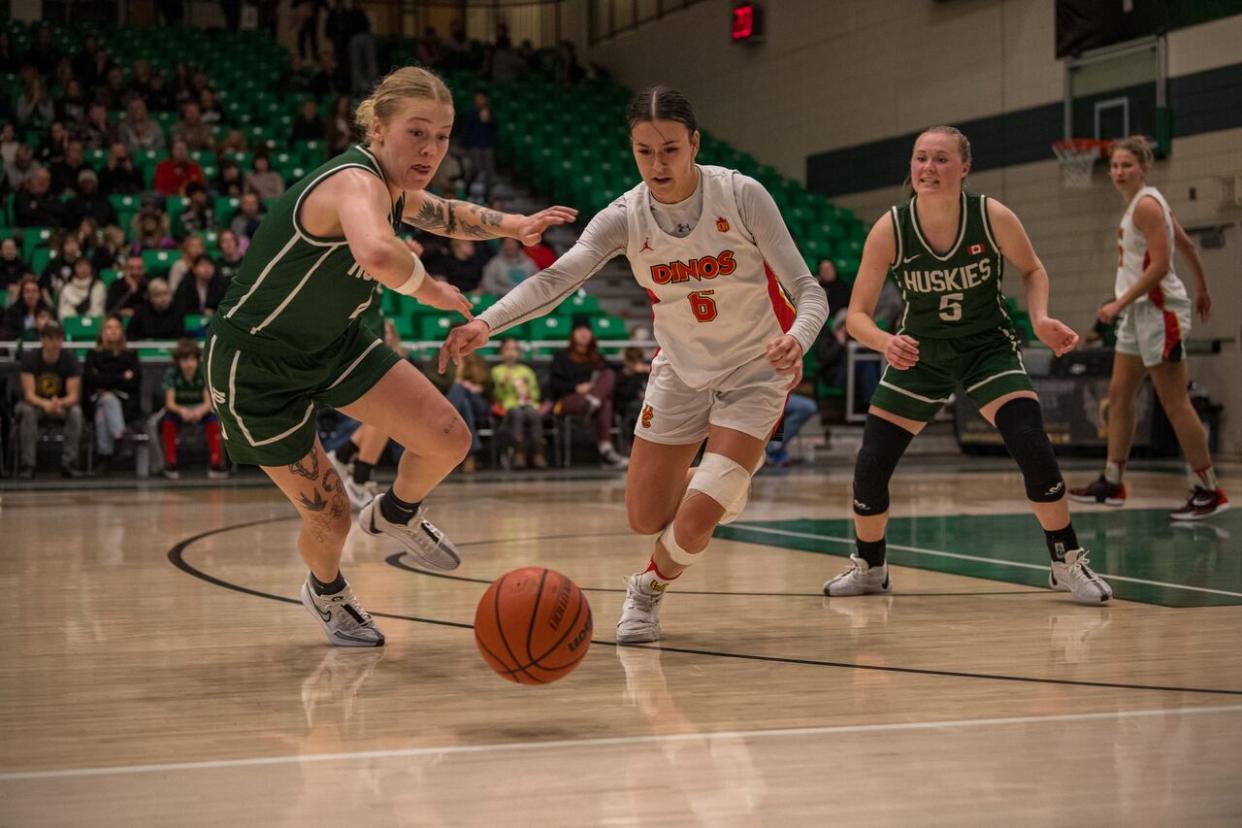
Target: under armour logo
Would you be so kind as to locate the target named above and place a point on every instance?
(858, 504)
(1055, 490)
(646, 245)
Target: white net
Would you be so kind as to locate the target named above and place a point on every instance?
(1077, 159)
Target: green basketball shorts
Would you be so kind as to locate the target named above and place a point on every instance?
(266, 401)
(986, 365)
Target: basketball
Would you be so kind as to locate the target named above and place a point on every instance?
(533, 625)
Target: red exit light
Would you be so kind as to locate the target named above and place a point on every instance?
(747, 23)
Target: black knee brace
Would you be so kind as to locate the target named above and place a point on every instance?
(1021, 425)
(882, 446)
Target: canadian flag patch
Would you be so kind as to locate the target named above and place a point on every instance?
(975, 249)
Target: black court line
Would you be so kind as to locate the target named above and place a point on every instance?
(176, 555)
(396, 561)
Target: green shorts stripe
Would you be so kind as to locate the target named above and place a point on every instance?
(987, 366)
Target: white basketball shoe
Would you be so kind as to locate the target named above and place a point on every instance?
(359, 494)
(1074, 576)
(860, 579)
(419, 537)
(344, 621)
(640, 615)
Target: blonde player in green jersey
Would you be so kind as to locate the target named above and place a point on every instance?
(945, 249)
(287, 337)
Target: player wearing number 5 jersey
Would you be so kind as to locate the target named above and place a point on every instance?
(945, 249)
(711, 249)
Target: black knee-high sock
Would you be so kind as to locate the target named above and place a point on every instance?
(347, 452)
(1061, 541)
(396, 510)
(873, 552)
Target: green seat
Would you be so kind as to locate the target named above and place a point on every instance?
(481, 302)
(195, 324)
(82, 328)
(609, 327)
(579, 303)
(226, 208)
(435, 328)
(109, 275)
(548, 328)
(125, 203)
(34, 238)
(405, 327)
(157, 262)
(39, 259)
(175, 206)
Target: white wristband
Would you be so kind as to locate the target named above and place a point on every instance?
(417, 276)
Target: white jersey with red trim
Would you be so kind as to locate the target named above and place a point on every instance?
(716, 302)
(1133, 257)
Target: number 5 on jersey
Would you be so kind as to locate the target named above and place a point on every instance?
(951, 306)
(702, 305)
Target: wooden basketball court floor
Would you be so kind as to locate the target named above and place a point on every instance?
(158, 670)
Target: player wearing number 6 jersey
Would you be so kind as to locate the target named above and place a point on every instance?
(711, 249)
(945, 249)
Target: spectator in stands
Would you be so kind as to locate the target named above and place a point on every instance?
(43, 54)
(428, 48)
(89, 203)
(96, 72)
(569, 71)
(209, 107)
(112, 381)
(450, 177)
(9, 60)
(119, 175)
(340, 126)
(202, 291)
(798, 409)
(23, 314)
(51, 393)
(139, 132)
(95, 132)
(838, 289)
(191, 248)
(508, 65)
(140, 80)
(34, 107)
(192, 129)
(234, 143)
(12, 269)
(19, 171)
(507, 268)
(151, 230)
(230, 258)
(65, 172)
(157, 317)
(515, 390)
(113, 92)
(541, 254)
(463, 267)
(160, 96)
(262, 179)
(631, 386)
(306, 18)
(470, 381)
(57, 273)
(199, 215)
(229, 182)
(110, 250)
(246, 222)
(478, 137)
(125, 295)
(888, 307)
(187, 400)
(182, 82)
(35, 205)
(456, 48)
(84, 294)
(54, 144)
(173, 174)
(71, 107)
(582, 386)
(307, 126)
(8, 143)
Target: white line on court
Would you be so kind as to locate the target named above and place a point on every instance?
(607, 742)
(749, 527)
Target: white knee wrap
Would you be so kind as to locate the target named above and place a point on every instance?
(724, 481)
(674, 549)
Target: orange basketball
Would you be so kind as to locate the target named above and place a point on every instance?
(533, 625)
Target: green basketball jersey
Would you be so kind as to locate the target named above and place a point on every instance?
(295, 291)
(186, 392)
(954, 294)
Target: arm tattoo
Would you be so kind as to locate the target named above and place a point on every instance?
(311, 473)
(456, 219)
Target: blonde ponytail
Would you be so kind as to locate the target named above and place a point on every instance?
(1139, 146)
(397, 86)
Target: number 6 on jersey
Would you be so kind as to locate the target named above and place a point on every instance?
(702, 305)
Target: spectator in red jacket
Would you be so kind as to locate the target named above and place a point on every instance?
(172, 175)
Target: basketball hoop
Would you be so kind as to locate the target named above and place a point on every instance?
(1078, 157)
